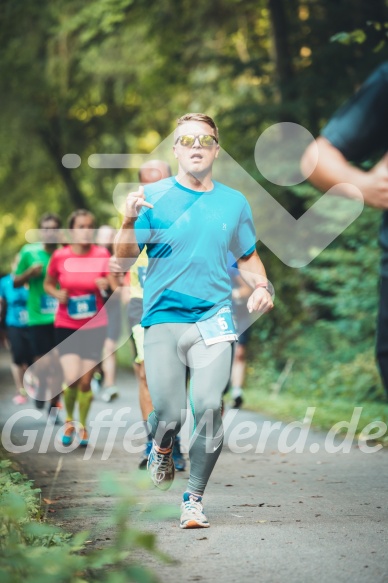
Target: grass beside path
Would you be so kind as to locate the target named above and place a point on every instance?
(327, 413)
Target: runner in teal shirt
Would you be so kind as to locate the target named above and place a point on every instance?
(189, 223)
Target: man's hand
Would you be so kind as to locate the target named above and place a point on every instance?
(35, 270)
(374, 185)
(135, 201)
(62, 295)
(115, 266)
(102, 283)
(260, 301)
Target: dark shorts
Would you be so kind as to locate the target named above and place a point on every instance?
(87, 344)
(113, 309)
(21, 350)
(243, 323)
(243, 338)
(42, 339)
(134, 312)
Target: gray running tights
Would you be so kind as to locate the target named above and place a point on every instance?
(170, 350)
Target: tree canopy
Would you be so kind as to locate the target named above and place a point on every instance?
(111, 76)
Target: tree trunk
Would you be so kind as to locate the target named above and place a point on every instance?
(282, 53)
(51, 139)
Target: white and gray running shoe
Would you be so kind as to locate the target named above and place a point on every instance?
(161, 467)
(192, 512)
(109, 394)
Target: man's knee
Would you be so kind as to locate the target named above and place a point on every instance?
(208, 413)
(168, 415)
(240, 353)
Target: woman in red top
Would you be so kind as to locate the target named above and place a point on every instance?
(77, 276)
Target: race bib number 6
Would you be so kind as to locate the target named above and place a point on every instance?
(218, 328)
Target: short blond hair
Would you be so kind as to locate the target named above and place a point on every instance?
(199, 117)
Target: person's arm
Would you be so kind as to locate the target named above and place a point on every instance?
(116, 275)
(23, 278)
(115, 281)
(126, 289)
(126, 248)
(334, 170)
(50, 287)
(106, 283)
(253, 273)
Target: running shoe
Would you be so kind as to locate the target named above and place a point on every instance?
(19, 400)
(31, 383)
(145, 455)
(109, 394)
(237, 396)
(177, 456)
(192, 512)
(161, 467)
(83, 437)
(95, 384)
(68, 433)
(33, 388)
(39, 396)
(237, 403)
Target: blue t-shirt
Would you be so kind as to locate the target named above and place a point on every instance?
(16, 299)
(188, 235)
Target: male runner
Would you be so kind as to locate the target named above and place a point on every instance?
(357, 132)
(31, 269)
(189, 222)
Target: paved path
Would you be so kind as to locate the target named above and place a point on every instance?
(275, 517)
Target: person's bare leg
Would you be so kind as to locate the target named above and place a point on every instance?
(108, 364)
(18, 371)
(238, 375)
(146, 408)
(239, 365)
(55, 379)
(71, 365)
(144, 393)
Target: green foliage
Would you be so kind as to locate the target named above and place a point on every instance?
(324, 325)
(378, 30)
(32, 551)
(347, 38)
(111, 76)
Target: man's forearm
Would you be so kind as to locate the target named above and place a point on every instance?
(126, 248)
(20, 280)
(252, 270)
(331, 170)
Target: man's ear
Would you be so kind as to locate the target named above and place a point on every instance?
(217, 151)
(174, 150)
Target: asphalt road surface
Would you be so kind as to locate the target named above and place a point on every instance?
(276, 515)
